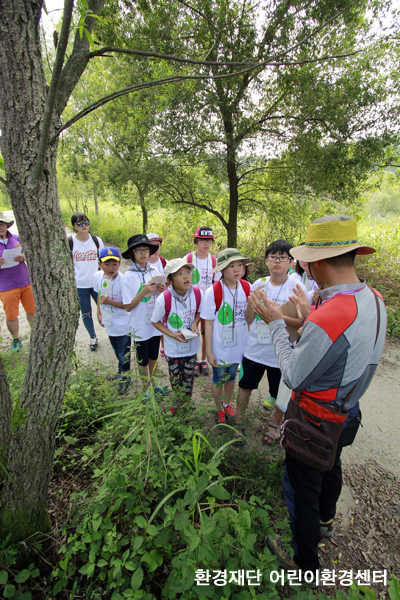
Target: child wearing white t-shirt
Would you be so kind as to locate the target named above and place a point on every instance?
(226, 329)
(259, 355)
(139, 300)
(111, 313)
(303, 275)
(178, 309)
(204, 276)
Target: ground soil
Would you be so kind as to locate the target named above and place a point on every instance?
(368, 516)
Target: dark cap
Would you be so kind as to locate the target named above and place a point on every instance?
(139, 240)
(204, 233)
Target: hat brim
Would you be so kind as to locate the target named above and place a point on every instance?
(309, 255)
(8, 223)
(106, 258)
(152, 247)
(190, 265)
(227, 262)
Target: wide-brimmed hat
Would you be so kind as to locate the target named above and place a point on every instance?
(175, 264)
(225, 257)
(153, 237)
(330, 236)
(139, 240)
(4, 219)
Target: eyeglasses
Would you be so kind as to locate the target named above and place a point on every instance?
(279, 258)
(141, 250)
(82, 223)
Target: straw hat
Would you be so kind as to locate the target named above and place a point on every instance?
(330, 236)
(225, 257)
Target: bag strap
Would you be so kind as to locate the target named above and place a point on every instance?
(217, 288)
(167, 302)
(163, 261)
(189, 257)
(71, 243)
(197, 294)
(246, 287)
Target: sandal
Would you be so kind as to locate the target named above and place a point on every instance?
(197, 369)
(270, 436)
(204, 368)
(239, 439)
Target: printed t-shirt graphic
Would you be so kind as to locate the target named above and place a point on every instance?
(202, 272)
(85, 261)
(140, 317)
(259, 346)
(230, 310)
(179, 318)
(115, 320)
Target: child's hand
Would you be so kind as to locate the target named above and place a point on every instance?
(149, 288)
(315, 297)
(104, 299)
(160, 287)
(100, 320)
(212, 360)
(178, 336)
(195, 327)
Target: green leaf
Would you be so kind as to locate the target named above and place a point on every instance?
(2, 163)
(96, 522)
(25, 596)
(23, 576)
(87, 569)
(141, 522)
(3, 577)
(219, 492)
(394, 590)
(138, 542)
(89, 37)
(9, 591)
(102, 563)
(137, 579)
(154, 559)
(69, 440)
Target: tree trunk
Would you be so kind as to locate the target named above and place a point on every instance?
(5, 420)
(23, 92)
(233, 196)
(96, 206)
(142, 200)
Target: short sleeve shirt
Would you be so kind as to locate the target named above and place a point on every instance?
(118, 316)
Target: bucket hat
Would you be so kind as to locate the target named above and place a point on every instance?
(139, 240)
(4, 219)
(225, 257)
(175, 264)
(330, 236)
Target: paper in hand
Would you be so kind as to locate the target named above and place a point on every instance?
(188, 334)
(9, 256)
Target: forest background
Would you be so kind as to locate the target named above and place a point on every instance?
(251, 118)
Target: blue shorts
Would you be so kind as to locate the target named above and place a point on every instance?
(224, 374)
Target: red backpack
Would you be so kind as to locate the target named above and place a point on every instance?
(167, 302)
(163, 261)
(217, 287)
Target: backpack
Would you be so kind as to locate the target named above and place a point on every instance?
(213, 259)
(163, 261)
(167, 302)
(217, 287)
(94, 238)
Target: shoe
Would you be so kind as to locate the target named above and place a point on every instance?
(93, 343)
(162, 391)
(230, 413)
(175, 407)
(124, 385)
(239, 439)
(278, 549)
(204, 368)
(197, 369)
(269, 403)
(269, 439)
(220, 419)
(16, 345)
(326, 528)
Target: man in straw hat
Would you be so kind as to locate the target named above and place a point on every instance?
(15, 284)
(338, 352)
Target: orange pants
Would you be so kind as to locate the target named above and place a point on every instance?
(11, 298)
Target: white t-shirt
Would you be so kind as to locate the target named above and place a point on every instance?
(179, 317)
(86, 262)
(115, 320)
(228, 341)
(310, 284)
(259, 346)
(159, 266)
(140, 325)
(203, 275)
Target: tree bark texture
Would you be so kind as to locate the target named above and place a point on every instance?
(23, 92)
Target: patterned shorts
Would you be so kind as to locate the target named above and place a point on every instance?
(181, 373)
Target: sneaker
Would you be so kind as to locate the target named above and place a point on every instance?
(93, 343)
(16, 345)
(124, 385)
(162, 391)
(230, 412)
(326, 528)
(269, 403)
(278, 549)
(175, 407)
(220, 419)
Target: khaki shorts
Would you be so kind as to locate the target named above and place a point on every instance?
(11, 298)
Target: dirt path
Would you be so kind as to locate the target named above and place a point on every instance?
(368, 519)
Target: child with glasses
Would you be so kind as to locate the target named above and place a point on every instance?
(259, 355)
(85, 249)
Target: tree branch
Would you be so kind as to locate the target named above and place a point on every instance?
(51, 96)
(3, 181)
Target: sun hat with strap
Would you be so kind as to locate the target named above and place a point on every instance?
(4, 219)
(330, 236)
(225, 257)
